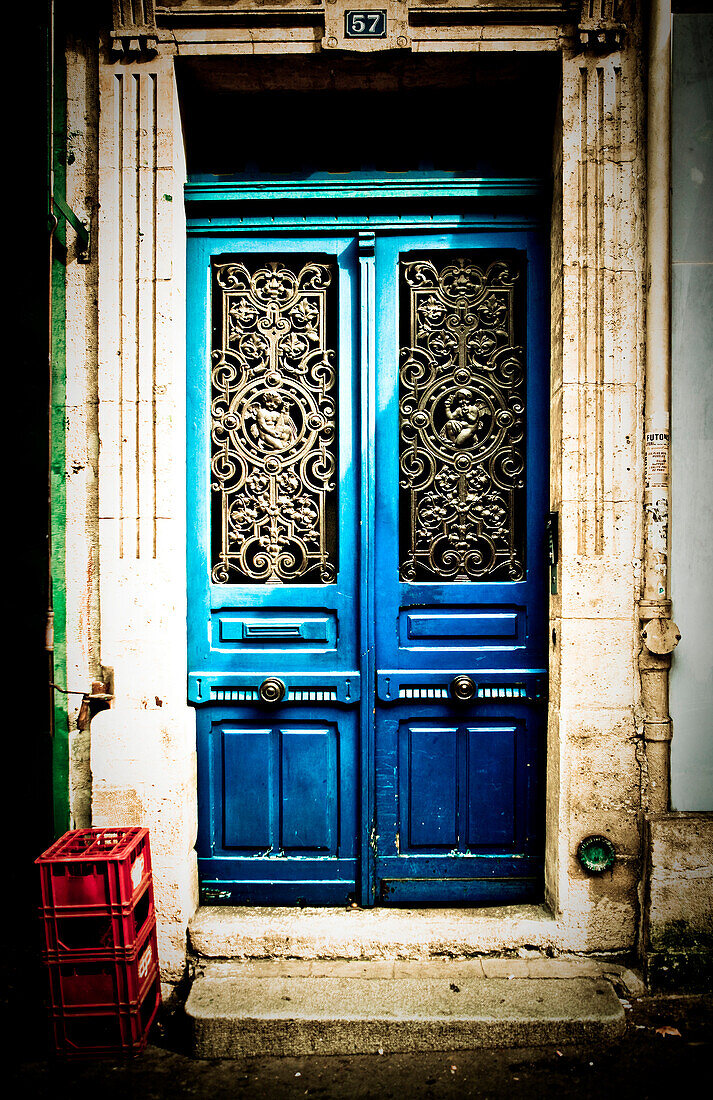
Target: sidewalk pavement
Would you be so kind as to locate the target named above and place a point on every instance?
(666, 1049)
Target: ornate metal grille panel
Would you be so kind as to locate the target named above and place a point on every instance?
(461, 419)
(274, 414)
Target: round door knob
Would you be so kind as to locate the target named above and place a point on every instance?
(272, 690)
(463, 688)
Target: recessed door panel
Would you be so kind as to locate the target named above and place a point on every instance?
(428, 767)
(309, 789)
(284, 803)
(492, 785)
(248, 781)
(487, 629)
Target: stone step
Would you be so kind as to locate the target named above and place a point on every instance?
(278, 1008)
(253, 932)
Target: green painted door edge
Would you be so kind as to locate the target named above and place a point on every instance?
(58, 493)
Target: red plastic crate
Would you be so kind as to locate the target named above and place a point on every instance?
(95, 867)
(97, 984)
(96, 932)
(80, 1033)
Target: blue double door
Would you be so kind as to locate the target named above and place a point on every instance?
(367, 478)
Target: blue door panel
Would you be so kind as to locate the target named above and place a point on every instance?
(428, 769)
(309, 789)
(465, 629)
(280, 789)
(278, 809)
(492, 786)
(469, 786)
(411, 888)
(527, 597)
(248, 785)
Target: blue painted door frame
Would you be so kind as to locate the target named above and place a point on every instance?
(367, 781)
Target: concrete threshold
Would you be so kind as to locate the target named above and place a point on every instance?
(253, 932)
(322, 1007)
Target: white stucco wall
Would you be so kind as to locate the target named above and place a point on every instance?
(691, 698)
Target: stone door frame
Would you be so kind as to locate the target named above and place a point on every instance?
(143, 749)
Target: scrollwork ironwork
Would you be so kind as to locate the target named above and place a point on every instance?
(462, 422)
(274, 408)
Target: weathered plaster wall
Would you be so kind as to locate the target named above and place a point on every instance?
(143, 750)
(82, 440)
(596, 418)
(691, 698)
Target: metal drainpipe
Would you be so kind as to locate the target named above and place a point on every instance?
(659, 634)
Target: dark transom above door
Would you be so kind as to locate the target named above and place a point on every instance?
(368, 427)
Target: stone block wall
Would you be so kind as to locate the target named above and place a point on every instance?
(677, 932)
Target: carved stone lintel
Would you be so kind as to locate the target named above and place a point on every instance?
(134, 32)
(600, 30)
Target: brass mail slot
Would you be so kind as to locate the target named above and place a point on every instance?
(273, 630)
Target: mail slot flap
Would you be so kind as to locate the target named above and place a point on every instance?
(272, 630)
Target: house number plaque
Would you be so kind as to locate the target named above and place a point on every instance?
(365, 24)
(376, 25)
